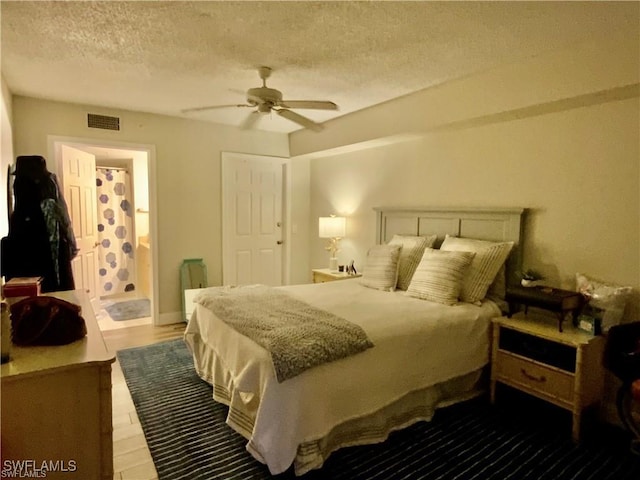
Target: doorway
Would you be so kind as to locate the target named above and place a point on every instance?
(122, 305)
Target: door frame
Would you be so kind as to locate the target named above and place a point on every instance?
(226, 156)
(54, 142)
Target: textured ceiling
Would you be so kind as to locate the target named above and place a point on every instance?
(163, 57)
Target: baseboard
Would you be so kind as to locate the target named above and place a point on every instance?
(169, 318)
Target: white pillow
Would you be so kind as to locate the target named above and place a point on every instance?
(490, 256)
(412, 249)
(381, 268)
(439, 276)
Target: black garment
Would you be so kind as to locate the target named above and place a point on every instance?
(41, 241)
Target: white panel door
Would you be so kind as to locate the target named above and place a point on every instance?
(252, 220)
(78, 178)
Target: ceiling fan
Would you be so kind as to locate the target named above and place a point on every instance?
(266, 100)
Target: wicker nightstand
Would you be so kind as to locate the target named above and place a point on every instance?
(563, 368)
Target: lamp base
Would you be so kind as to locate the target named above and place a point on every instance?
(333, 264)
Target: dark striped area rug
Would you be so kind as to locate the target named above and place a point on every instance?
(188, 437)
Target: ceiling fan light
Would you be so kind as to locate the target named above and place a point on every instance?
(264, 108)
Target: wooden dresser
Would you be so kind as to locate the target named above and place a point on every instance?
(56, 405)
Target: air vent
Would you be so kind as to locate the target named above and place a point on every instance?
(103, 122)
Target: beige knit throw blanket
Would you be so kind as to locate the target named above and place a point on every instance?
(297, 335)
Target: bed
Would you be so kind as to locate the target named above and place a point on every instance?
(425, 354)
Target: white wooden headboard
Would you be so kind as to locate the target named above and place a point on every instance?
(496, 224)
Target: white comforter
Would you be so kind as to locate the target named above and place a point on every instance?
(417, 344)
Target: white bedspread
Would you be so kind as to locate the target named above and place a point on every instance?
(417, 344)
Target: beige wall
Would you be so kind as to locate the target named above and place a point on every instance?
(299, 241)
(566, 146)
(187, 173)
(6, 154)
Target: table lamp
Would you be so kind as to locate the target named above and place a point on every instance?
(332, 228)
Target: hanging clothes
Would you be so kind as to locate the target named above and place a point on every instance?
(41, 240)
(115, 232)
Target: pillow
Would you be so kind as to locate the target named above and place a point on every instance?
(412, 249)
(381, 267)
(498, 289)
(490, 256)
(610, 299)
(439, 275)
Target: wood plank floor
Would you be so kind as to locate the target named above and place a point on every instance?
(131, 456)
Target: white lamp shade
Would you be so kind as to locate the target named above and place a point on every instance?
(332, 227)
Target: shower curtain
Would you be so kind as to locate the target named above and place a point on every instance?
(115, 232)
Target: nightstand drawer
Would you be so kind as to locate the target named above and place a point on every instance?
(540, 349)
(535, 378)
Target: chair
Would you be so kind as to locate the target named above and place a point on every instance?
(622, 358)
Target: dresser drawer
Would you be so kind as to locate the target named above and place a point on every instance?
(540, 349)
(535, 378)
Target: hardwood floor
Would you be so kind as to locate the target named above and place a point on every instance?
(131, 456)
(141, 335)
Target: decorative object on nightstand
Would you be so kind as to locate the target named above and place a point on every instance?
(561, 302)
(590, 319)
(321, 275)
(562, 368)
(531, 278)
(351, 269)
(332, 228)
(607, 299)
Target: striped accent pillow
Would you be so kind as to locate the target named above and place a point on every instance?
(412, 249)
(381, 269)
(439, 276)
(490, 256)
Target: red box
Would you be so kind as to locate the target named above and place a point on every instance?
(22, 287)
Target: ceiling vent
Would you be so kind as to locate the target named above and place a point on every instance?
(102, 121)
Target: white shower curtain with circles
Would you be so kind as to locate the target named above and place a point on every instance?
(115, 232)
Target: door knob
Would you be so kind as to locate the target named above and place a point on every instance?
(279, 242)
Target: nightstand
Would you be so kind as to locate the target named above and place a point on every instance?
(321, 275)
(563, 368)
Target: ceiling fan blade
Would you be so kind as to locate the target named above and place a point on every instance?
(310, 104)
(250, 121)
(255, 98)
(300, 120)
(212, 107)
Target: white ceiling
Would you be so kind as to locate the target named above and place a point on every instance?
(163, 57)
